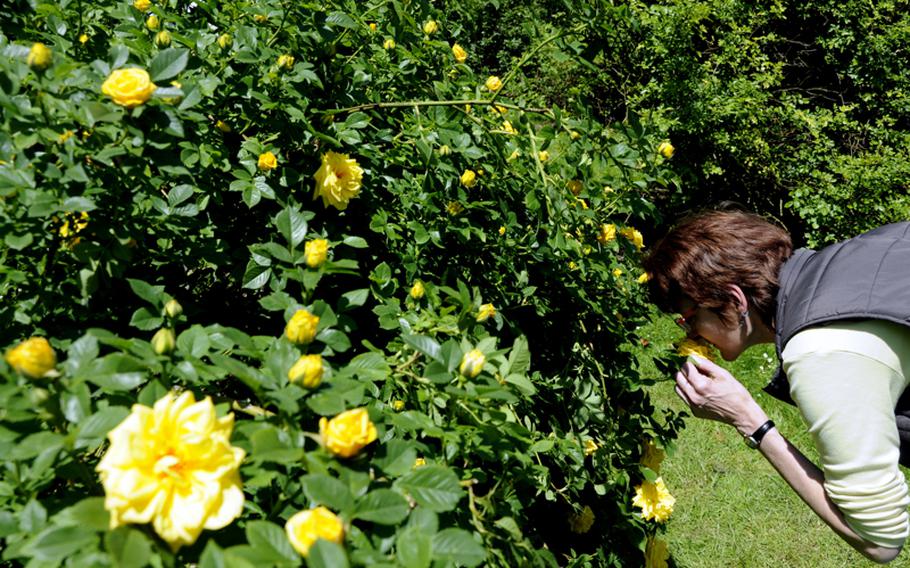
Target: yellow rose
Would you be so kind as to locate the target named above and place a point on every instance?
(83, 39)
(285, 61)
(419, 462)
(575, 186)
(580, 523)
(39, 56)
(398, 404)
(493, 83)
(468, 178)
(267, 161)
(460, 54)
(607, 233)
(389, 44)
(654, 499)
(472, 363)
(372, 26)
(34, 357)
(694, 347)
(142, 5)
(129, 87)
(634, 236)
(348, 433)
(444, 150)
(430, 27)
(301, 328)
(260, 18)
(617, 272)
(163, 38)
(590, 447)
(223, 126)
(574, 135)
(656, 553)
(485, 312)
(502, 231)
(152, 22)
(543, 155)
(508, 128)
(307, 371)
(315, 252)
(417, 290)
(173, 465)
(73, 223)
(66, 135)
(337, 180)
(643, 277)
(173, 308)
(666, 149)
(164, 341)
(514, 155)
(652, 456)
(306, 527)
(224, 41)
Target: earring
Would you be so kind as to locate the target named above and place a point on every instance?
(743, 317)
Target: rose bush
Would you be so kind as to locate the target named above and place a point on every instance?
(292, 261)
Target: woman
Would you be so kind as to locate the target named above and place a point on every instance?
(840, 319)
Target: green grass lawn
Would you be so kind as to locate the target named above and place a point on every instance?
(732, 509)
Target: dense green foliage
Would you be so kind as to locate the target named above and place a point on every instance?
(110, 212)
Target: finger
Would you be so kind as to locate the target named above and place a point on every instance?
(682, 395)
(703, 364)
(684, 388)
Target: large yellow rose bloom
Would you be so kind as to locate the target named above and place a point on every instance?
(307, 371)
(417, 290)
(267, 161)
(694, 347)
(337, 180)
(306, 527)
(173, 465)
(142, 5)
(485, 312)
(493, 83)
(34, 357)
(39, 56)
(654, 499)
(315, 252)
(460, 54)
(348, 433)
(607, 233)
(469, 178)
(666, 150)
(472, 363)
(129, 87)
(301, 328)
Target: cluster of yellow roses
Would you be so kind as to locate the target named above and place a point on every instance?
(656, 503)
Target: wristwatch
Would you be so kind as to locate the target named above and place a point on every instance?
(755, 439)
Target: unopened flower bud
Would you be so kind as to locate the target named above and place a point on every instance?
(163, 38)
(225, 41)
(173, 308)
(152, 22)
(164, 341)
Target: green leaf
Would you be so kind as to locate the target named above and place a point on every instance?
(151, 294)
(94, 428)
(520, 357)
(355, 242)
(168, 63)
(116, 372)
(435, 487)
(458, 546)
(327, 403)
(89, 513)
(194, 341)
(325, 554)
(426, 345)
(146, 320)
(34, 444)
(269, 538)
(328, 491)
(399, 458)
(56, 543)
(414, 548)
(292, 225)
(18, 242)
(271, 444)
(128, 547)
(382, 506)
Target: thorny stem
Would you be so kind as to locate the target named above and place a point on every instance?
(410, 104)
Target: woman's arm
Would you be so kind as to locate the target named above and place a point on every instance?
(712, 393)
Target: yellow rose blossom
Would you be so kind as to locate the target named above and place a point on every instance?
(581, 522)
(398, 404)
(652, 456)
(388, 44)
(583, 203)
(348, 433)
(419, 462)
(454, 208)
(666, 149)
(617, 272)
(223, 126)
(74, 223)
(163, 38)
(643, 278)
(34, 357)
(502, 231)
(431, 27)
(575, 186)
(590, 447)
(164, 341)
(688, 347)
(307, 371)
(152, 22)
(655, 501)
(39, 56)
(656, 553)
(500, 109)
(285, 61)
(472, 363)
(267, 161)
(301, 328)
(444, 150)
(338, 180)
(574, 135)
(173, 465)
(260, 18)
(129, 87)
(417, 290)
(634, 236)
(514, 155)
(493, 83)
(224, 41)
(66, 135)
(372, 26)
(485, 312)
(172, 309)
(306, 527)
(460, 54)
(572, 265)
(508, 128)
(142, 5)
(83, 39)
(467, 109)
(469, 178)
(543, 155)
(607, 233)
(315, 252)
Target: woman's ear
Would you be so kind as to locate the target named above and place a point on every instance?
(739, 298)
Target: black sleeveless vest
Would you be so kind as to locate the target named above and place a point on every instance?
(864, 277)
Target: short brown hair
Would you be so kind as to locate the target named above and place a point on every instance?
(708, 252)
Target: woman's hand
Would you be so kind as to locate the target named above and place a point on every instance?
(712, 392)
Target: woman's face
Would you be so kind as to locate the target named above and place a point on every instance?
(706, 324)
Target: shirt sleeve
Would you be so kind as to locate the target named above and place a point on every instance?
(847, 400)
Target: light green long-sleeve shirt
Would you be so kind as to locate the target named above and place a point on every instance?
(846, 379)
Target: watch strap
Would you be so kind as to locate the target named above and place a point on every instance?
(754, 440)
